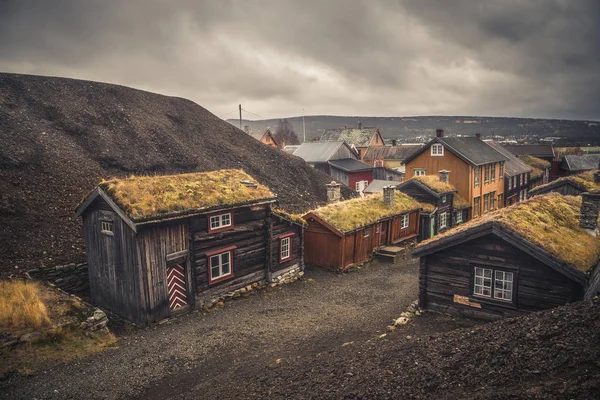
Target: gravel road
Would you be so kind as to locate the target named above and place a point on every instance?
(180, 358)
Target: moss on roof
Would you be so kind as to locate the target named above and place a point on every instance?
(534, 162)
(584, 180)
(349, 215)
(459, 202)
(434, 183)
(535, 173)
(297, 218)
(550, 222)
(149, 197)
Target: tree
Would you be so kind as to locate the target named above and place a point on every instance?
(285, 134)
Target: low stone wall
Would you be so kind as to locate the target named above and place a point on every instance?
(72, 278)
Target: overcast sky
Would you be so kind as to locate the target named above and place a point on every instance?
(339, 57)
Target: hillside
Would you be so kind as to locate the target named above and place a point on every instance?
(574, 132)
(60, 137)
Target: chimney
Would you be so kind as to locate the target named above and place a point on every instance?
(394, 142)
(359, 124)
(247, 128)
(597, 176)
(388, 195)
(333, 192)
(478, 135)
(439, 133)
(590, 205)
(444, 175)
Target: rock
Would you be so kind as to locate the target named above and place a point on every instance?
(30, 337)
(391, 328)
(401, 321)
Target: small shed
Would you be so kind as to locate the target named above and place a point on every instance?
(346, 233)
(157, 245)
(535, 255)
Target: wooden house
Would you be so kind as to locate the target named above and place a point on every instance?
(342, 234)
(517, 176)
(353, 173)
(157, 245)
(266, 137)
(319, 154)
(570, 185)
(540, 174)
(535, 255)
(543, 151)
(389, 156)
(576, 164)
(446, 208)
(359, 138)
(476, 169)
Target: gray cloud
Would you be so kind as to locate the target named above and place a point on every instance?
(360, 57)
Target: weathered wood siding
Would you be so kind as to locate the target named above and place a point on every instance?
(155, 242)
(450, 272)
(396, 234)
(322, 248)
(282, 227)
(250, 236)
(339, 175)
(116, 281)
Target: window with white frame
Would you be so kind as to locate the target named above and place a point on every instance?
(493, 172)
(525, 178)
(420, 172)
(220, 266)
(477, 176)
(378, 228)
(459, 217)
(509, 183)
(476, 206)
(404, 222)
(220, 221)
(520, 179)
(444, 198)
(437, 149)
(367, 233)
(106, 227)
(361, 185)
(443, 220)
(501, 281)
(286, 248)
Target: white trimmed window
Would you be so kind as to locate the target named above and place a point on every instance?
(367, 233)
(444, 199)
(106, 227)
(220, 221)
(483, 282)
(405, 221)
(525, 178)
(502, 282)
(420, 172)
(437, 149)
(459, 217)
(443, 220)
(285, 248)
(361, 185)
(503, 285)
(220, 265)
(477, 176)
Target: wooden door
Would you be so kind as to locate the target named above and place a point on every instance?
(178, 296)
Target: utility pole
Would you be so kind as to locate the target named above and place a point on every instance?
(303, 126)
(240, 116)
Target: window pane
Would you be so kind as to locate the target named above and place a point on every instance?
(225, 258)
(225, 268)
(225, 219)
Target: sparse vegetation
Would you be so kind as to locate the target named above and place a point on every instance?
(550, 222)
(537, 164)
(434, 183)
(292, 217)
(585, 181)
(459, 202)
(21, 306)
(353, 214)
(145, 197)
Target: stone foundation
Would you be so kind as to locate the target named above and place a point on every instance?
(72, 278)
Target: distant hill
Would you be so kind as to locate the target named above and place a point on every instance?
(403, 127)
(60, 137)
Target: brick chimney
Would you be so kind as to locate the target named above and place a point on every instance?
(478, 135)
(597, 176)
(439, 133)
(388, 195)
(444, 174)
(590, 205)
(333, 192)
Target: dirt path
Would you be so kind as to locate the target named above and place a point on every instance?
(199, 352)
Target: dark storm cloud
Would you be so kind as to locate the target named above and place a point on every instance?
(509, 57)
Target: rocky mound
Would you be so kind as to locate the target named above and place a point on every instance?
(60, 137)
(548, 355)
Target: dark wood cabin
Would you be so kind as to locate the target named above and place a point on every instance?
(517, 176)
(570, 185)
(578, 163)
(159, 245)
(509, 264)
(346, 233)
(540, 170)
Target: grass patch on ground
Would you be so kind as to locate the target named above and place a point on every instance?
(21, 306)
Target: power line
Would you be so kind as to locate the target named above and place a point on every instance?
(228, 114)
(256, 115)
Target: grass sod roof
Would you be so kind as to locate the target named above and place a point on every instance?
(434, 183)
(349, 215)
(584, 180)
(550, 222)
(459, 202)
(151, 197)
(296, 218)
(534, 162)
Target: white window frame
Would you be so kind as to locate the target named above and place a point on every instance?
(405, 221)
(525, 178)
(420, 172)
(219, 257)
(509, 183)
(365, 184)
(220, 221)
(106, 227)
(437, 149)
(504, 291)
(444, 198)
(285, 248)
(459, 217)
(443, 220)
(476, 206)
(480, 288)
(477, 176)
(367, 233)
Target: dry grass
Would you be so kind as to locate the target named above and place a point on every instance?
(352, 214)
(535, 162)
(459, 202)
(584, 180)
(550, 222)
(433, 182)
(21, 306)
(290, 217)
(143, 197)
(535, 173)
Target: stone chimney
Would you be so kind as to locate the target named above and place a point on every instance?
(247, 128)
(359, 125)
(439, 133)
(444, 174)
(590, 205)
(394, 143)
(597, 176)
(478, 135)
(333, 192)
(388, 195)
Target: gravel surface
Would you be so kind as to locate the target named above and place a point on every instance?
(191, 354)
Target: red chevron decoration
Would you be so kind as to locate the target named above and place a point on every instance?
(176, 285)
